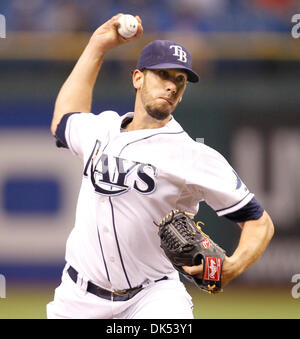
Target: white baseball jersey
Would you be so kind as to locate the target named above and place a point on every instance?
(130, 180)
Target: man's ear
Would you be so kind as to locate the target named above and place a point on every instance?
(137, 79)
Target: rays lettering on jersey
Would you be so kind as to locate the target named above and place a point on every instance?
(113, 176)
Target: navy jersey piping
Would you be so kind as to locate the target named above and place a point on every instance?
(107, 274)
(117, 241)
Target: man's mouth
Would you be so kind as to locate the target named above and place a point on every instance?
(169, 100)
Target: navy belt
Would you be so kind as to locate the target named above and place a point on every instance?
(121, 295)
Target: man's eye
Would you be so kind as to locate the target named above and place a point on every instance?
(163, 74)
(180, 78)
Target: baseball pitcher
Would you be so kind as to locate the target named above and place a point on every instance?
(143, 178)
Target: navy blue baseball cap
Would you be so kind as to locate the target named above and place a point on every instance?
(165, 54)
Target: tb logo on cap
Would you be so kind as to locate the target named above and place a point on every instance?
(179, 52)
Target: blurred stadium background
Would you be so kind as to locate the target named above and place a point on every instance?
(247, 106)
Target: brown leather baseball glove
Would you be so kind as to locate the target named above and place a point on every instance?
(185, 244)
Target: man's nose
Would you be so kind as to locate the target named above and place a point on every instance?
(171, 87)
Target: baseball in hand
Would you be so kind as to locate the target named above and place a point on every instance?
(128, 26)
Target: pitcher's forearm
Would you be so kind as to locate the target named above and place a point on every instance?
(76, 93)
(255, 237)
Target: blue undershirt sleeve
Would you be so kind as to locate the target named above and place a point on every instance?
(60, 131)
(251, 211)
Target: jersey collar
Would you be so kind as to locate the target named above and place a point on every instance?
(171, 126)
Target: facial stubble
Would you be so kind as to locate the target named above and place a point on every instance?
(158, 113)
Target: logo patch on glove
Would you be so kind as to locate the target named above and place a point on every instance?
(212, 268)
(205, 243)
